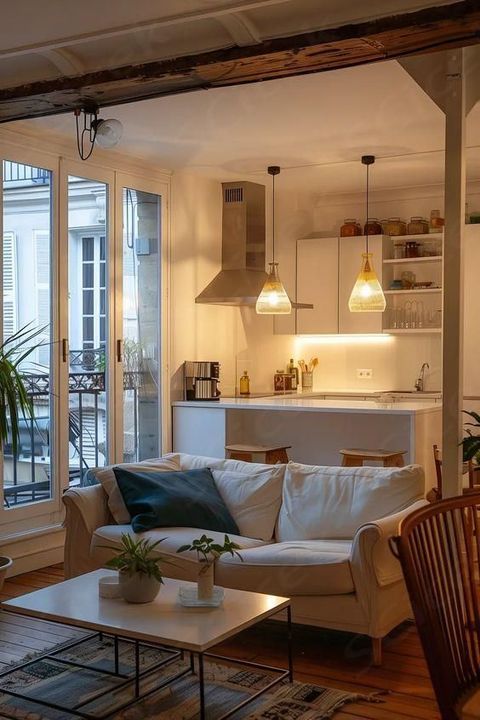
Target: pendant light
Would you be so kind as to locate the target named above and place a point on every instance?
(273, 299)
(367, 294)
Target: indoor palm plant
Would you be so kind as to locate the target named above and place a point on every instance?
(471, 442)
(139, 572)
(208, 551)
(15, 402)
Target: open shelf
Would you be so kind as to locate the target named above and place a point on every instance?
(407, 261)
(412, 331)
(413, 291)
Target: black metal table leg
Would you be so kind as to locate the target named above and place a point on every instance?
(201, 680)
(115, 649)
(137, 669)
(290, 644)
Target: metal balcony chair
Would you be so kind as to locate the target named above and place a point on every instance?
(439, 550)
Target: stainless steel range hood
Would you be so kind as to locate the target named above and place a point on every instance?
(243, 275)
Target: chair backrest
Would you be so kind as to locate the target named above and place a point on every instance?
(467, 468)
(439, 549)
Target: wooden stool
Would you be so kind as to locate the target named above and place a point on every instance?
(355, 457)
(272, 454)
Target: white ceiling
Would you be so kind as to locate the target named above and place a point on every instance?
(320, 124)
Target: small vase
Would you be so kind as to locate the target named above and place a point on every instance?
(205, 581)
(5, 564)
(138, 587)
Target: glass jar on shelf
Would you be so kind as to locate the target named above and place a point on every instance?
(350, 228)
(372, 227)
(395, 226)
(399, 250)
(417, 226)
(412, 249)
(436, 222)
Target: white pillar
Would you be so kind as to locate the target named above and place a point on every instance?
(453, 274)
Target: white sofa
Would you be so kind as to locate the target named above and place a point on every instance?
(319, 535)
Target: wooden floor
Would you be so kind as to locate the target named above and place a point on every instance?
(323, 657)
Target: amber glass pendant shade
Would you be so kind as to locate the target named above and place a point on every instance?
(367, 294)
(273, 299)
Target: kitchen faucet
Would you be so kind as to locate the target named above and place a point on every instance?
(420, 381)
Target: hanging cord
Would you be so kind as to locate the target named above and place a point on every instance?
(273, 218)
(366, 234)
(90, 129)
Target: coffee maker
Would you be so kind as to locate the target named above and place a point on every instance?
(200, 380)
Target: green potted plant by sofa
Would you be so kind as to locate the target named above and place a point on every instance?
(471, 442)
(139, 573)
(15, 401)
(208, 551)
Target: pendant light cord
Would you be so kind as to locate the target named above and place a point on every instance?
(273, 218)
(367, 227)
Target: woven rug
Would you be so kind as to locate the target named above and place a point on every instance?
(226, 685)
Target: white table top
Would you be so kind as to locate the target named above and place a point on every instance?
(76, 602)
(295, 404)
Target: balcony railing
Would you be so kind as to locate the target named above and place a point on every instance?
(18, 174)
(27, 475)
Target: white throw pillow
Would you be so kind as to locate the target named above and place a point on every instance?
(321, 502)
(253, 498)
(107, 479)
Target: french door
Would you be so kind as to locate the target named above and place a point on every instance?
(83, 260)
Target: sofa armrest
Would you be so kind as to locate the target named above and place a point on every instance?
(371, 555)
(86, 510)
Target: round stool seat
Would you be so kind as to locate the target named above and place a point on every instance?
(272, 454)
(355, 457)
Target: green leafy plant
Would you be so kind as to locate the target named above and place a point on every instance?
(14, 398)
(471, 442)
(208, 550)
(136, 557)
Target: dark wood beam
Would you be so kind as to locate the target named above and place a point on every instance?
(423, 31)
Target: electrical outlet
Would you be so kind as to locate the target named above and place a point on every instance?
(365, 373)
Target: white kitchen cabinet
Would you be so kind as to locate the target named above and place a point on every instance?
(317, 283)
(349, 263)
(471, 336)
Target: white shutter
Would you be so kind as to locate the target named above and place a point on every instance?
(42, 278)
(10, 305)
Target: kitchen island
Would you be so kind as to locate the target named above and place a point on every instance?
(317, 429)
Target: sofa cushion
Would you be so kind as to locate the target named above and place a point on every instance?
(191, 462)
(106, 477)
(253, 498)
(313, 567)
(182, 565)
(186, 498)
(333, 502)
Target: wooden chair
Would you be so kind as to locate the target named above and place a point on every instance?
(355, 457)
(439, 554)
(468, 468)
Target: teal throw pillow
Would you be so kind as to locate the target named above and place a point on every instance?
(174, 499)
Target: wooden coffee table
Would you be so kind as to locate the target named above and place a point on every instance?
(163, 624)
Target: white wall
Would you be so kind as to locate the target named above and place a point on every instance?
(240, 339)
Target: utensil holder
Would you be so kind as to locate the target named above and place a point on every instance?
(307, 380)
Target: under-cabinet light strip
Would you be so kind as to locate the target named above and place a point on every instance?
(371, 339)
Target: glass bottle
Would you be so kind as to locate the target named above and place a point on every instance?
(292, 370)
(245, 384)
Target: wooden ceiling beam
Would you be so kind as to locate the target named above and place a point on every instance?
(423, 31)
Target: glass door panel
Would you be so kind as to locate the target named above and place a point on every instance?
(141, 325)
(27, 290)
(87, 320)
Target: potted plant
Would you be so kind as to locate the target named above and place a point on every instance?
(14, 398)
(208, 551)
(139, 573)
(471, 442)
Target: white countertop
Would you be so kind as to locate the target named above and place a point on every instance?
(289, 403)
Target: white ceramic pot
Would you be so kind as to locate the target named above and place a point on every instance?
(138, 587)
(205, 581)
(5, 564)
